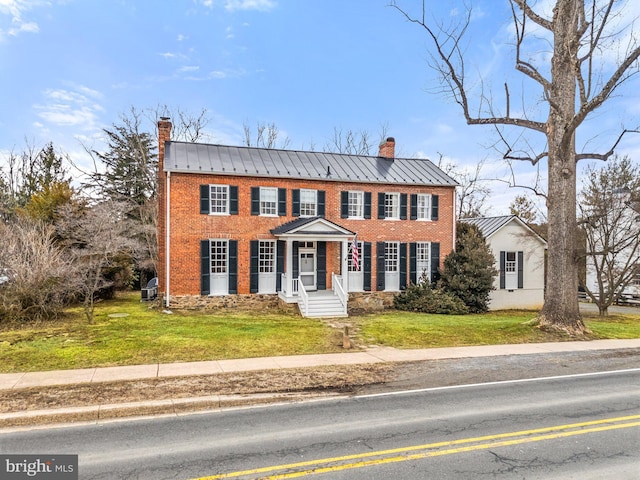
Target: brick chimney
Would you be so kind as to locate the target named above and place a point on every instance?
(164, 135)
(388, 148)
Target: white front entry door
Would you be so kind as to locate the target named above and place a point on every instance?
(307, 267)
(219, 267)
(267, 266)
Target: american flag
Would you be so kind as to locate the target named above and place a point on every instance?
(355, 254)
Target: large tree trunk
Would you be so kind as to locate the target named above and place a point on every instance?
(561, 310)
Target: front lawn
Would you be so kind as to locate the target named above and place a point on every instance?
(128, 332)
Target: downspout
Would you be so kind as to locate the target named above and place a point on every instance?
(167, 255)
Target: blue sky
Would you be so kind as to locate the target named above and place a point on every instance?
(72, 67)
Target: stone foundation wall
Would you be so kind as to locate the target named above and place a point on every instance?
(359, 302)
(256, 302)
(365, 302)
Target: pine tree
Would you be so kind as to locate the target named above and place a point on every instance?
(469, 270)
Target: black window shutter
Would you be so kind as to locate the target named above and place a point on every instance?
(321, 280)
(255, 200)
(434, 207)
(233, 266)
(403, 266)
(380, 205)
(413, 262)
(503, 260)
(520, 269)
(233, 200)
(367, 204)
(414, 206)
(435, 261)
(279, 264)
(295, 202)
(296, 260)
(205, 203)
(366, 267)
(253, 267)
(205, 267)
(380, 251)
(403, 208)
(282, 202)
(321, 202)
(344, 204)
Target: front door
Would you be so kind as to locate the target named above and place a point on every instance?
(219, 267)
(307, 265)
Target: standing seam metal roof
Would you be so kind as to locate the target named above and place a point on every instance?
(184, 157)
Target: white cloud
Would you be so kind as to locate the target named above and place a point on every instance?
(234, 5)
(71, 108)
(189, 68)
(12, 21)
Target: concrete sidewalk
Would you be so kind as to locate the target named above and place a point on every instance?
(10, 381)
(179, 406)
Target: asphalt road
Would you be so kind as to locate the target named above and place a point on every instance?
(583, 427)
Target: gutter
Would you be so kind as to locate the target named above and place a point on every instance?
(167, 240)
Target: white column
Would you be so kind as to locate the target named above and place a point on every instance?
(289, 268)
(345, 265)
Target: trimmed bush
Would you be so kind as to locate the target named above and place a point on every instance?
(422, 298)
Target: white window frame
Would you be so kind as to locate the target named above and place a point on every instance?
(266, 256)
(355, 204)
(423, 257)
(392, 206)
(510, 266)
(309, 205)
(391, 257)
(350, 266)
(268, 207)
(424, 206)
(219, 199)
(219, 257)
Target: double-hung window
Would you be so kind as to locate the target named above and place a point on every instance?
(423, 261)
(355, 208)
(308, 203)
(392, 206)
(268, 201)
(424, 206)
(219, 199)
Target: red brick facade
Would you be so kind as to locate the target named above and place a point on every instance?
(188, 227)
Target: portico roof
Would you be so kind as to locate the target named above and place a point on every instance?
(308, 227)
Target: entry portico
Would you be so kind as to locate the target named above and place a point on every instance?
(305, 241)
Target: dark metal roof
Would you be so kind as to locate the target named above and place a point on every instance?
(293, 225)
(489, 225)
(186, 157)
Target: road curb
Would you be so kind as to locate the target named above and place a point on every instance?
(178, 406)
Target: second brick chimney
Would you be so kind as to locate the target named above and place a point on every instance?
(388, 148)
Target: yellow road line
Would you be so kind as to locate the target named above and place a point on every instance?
(491, 438)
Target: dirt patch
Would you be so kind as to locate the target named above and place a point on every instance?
(321, 379)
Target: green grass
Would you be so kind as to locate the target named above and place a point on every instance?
(415, 330)
(147, 335)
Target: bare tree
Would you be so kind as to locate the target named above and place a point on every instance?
(523, 207)
(610, 218)
(265, 136)
(472, 191)
(100, 244)
(355, 143)
(573, 79)
(38, 274)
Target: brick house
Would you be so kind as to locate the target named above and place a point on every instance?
(238, 223)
